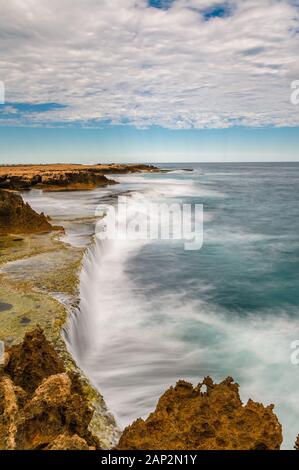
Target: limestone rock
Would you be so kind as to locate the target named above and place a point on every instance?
(64, 177)
(8, 413)
(32, 361)
(41, 405)
(52, 411)
(65, 442)
(18, 217)
(188, 418)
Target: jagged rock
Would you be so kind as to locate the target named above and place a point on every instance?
(187, 418)
(32, 361)
(44, 407)
(65, 442)
(52, 411)
(18, 217)
(8, 413)
(41, 405)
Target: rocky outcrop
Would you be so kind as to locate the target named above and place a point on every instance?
(72, 181)
(64, 177)
(18, 217)
(130, 168)
(41, 405)
(51, 179)
(188, 418)
(33, 360)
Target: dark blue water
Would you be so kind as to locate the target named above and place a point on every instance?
(154, 312)
(251, 246)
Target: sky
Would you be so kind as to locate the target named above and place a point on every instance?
(148, 80)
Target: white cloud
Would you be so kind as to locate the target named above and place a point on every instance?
(123, 61)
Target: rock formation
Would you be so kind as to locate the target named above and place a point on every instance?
(41, 405)
(188, 418)
(18, 217)
(32, 361)
(63, 177)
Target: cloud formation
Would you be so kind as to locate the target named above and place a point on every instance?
(175, 64)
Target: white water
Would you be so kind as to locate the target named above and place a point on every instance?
(132, 345)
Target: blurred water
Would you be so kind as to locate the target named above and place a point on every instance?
(152, 313)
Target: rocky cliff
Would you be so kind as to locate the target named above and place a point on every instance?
(63, 177)
(188, 418)
(18, 217)
(41, 405)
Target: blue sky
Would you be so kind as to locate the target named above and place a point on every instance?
(149, 80)
(128, 144)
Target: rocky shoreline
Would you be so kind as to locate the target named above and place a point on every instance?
(43, 406)
(39, 274)
(18, 217)
(64, 177)
(46, 402)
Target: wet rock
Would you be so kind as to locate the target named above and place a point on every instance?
(189, 419)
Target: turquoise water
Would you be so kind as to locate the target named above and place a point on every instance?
(152, 313)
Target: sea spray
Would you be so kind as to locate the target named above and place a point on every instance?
(152, 313)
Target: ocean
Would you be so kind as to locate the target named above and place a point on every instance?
(151, 312)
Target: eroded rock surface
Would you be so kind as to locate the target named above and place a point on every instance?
(18, 217)
(65, 442)
(64, 177)
(41, 405)
(31, 361)
(188, 418)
